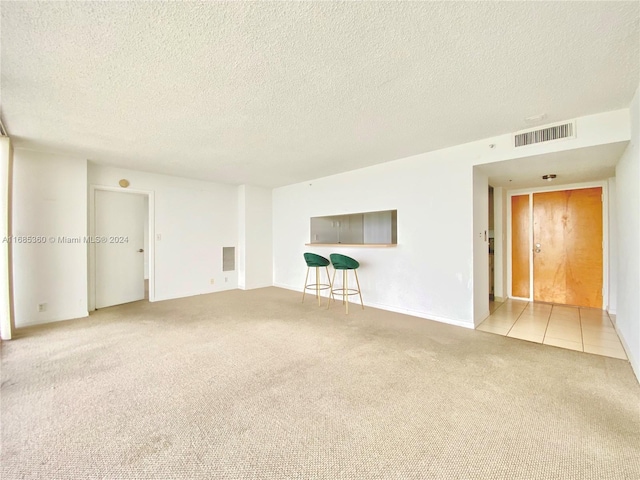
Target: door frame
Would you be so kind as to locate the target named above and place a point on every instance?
(91, 251)
(555, 188)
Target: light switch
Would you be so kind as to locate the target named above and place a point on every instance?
(158, 236)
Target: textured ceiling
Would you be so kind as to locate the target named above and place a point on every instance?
(276, 93)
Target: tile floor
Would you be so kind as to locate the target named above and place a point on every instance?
(584, 329)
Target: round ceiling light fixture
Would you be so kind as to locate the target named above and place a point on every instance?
(548, 177)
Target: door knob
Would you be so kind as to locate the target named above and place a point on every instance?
(140, 250)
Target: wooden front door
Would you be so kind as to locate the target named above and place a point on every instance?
(567, 247)
(520, 250)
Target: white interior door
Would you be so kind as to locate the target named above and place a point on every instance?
(119, 247)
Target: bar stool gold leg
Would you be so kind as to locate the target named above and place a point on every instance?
(305, 284)
(359, 291)
(330, 285)
(318, 284)
(345, 295)
(333, 281)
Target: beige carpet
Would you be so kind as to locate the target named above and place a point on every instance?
(255, 385)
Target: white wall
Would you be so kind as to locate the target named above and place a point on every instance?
(242, 237)
(193, 220)
(255, 239)
(613, 246)
(49, 200)
(431, 271)
(6, 171)
(628, 221)
(146, 238)
(500, 242)
(480, 246)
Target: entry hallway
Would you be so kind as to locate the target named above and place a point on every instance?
(256, 385)
(583, 329)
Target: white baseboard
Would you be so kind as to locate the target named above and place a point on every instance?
(393, 308)
(289, 287)
(53, 320)
(159, 298)
(635, 366)
(254, 287)
(482, 317)
(419, 314)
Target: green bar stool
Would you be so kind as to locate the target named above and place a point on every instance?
(344, 263)
(318, 262)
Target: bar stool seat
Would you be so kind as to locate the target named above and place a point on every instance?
(317, 262)
(344, 263)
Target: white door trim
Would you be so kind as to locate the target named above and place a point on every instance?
(605, 232)
(91, 252)
(7, 322)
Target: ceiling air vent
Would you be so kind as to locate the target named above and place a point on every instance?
(545, 134)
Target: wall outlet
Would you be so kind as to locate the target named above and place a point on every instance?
(42, 307)
(226, 279)
(212, 281)
(158, 236)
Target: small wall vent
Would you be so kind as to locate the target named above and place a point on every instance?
(545, 134)
(228, 259)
